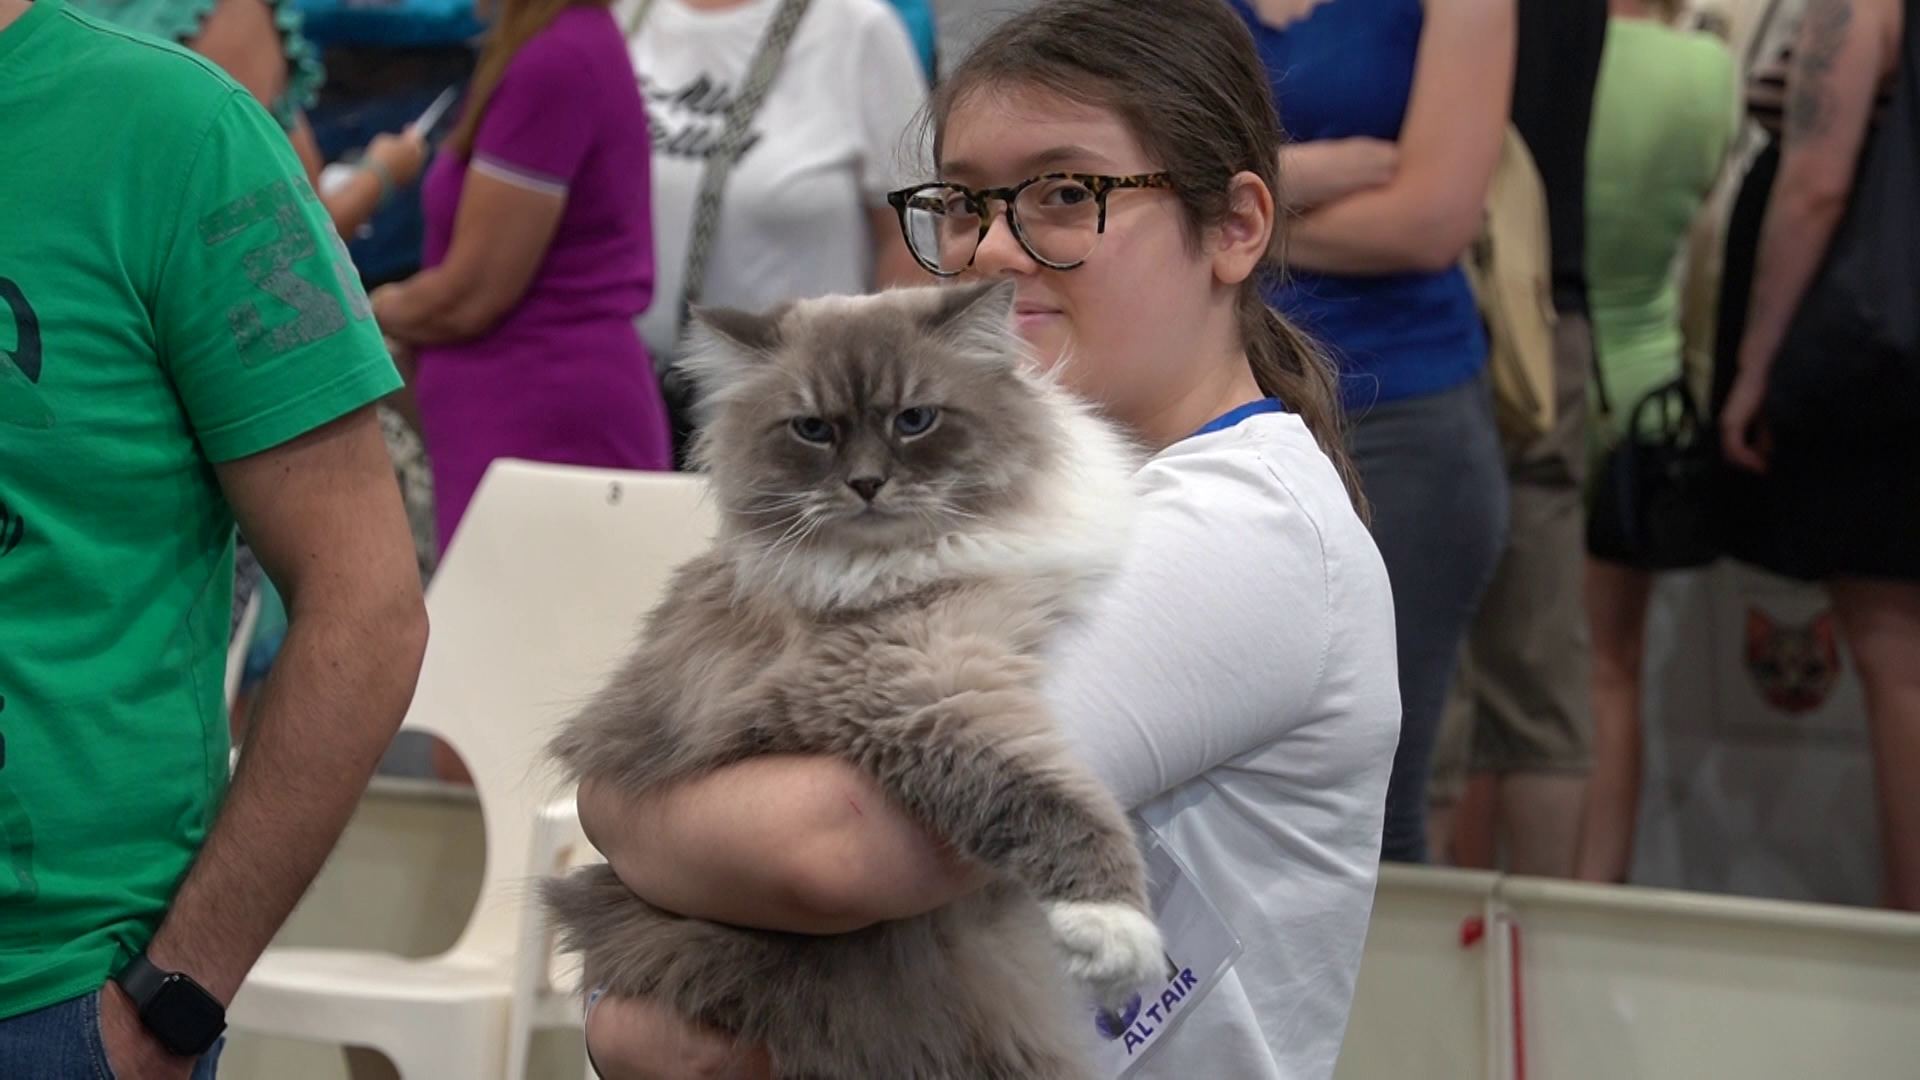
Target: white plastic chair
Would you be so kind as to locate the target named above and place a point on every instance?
(540, 594)
(237, 649)
(547, 994)
(239, 644)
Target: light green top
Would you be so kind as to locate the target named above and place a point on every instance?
(179, 20)
(1664, 113)
(172, 295)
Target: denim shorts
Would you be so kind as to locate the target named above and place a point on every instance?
(62, 1042)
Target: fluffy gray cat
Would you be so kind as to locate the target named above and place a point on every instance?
(908, 513)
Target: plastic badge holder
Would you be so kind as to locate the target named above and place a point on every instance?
(1201, 947)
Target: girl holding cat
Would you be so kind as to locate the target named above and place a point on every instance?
(1235, 685)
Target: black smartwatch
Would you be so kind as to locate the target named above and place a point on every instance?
(181, 1015)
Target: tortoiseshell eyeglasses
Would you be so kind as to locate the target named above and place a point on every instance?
(1058, 218)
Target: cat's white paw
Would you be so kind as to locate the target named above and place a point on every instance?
(1114, 948)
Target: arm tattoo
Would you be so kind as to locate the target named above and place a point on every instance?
(1809, 108)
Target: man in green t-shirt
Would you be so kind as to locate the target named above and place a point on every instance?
(182, 344)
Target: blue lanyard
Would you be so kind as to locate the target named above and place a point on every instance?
(1231, 419)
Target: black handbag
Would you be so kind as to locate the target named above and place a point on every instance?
(1651, 508)
(1849, 365)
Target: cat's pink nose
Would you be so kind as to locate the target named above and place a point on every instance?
(867, 486)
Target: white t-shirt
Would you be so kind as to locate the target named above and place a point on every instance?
(1236, 687)
(831, 140)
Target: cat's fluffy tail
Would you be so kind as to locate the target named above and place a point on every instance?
(704, 971)
(587, 908)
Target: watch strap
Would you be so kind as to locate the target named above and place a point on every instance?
(141, 979)
(173, 1008)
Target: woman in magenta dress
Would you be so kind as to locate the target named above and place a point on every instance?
(538, 259)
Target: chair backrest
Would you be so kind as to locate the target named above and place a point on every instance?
(239, 645)
(539, 596)
(546, 985)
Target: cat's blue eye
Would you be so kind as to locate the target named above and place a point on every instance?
(915, 421)
(814, 430)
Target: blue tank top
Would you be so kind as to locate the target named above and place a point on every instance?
(1346, 69)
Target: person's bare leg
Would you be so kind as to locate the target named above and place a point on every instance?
(1881, 622)
(1540, 817)
(1452, 757)
(1617, 614)
(1440, 831)
(1530, 642)
(1476, 843)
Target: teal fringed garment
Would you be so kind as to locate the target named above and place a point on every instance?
(178, 20)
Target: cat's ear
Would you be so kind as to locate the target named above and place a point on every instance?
(755, 333)
(977, 321)
(1825, 631)
(724, 345)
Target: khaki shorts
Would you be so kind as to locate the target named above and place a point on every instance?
(1521, 701)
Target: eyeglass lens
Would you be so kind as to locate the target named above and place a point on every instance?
(1057, 221)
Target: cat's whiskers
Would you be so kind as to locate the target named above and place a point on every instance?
(969, 483)
(755, 534)
(940, 515)
(775, 506)
(776, 492)
(809, 523)
(785, 507)
(760, 550)
(798, 529)
(962, 488)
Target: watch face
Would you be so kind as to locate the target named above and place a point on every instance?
(185, 1018)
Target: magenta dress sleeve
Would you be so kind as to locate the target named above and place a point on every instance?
(540, 122)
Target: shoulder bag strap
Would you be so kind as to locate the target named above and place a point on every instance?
(762, 70)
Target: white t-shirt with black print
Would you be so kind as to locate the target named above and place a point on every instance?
(829, 142)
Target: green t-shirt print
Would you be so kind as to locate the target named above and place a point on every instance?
(20, 401)
(172, 296)
(270, 266)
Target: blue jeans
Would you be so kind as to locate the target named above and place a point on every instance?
(62, 1042)
(1437, 477)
